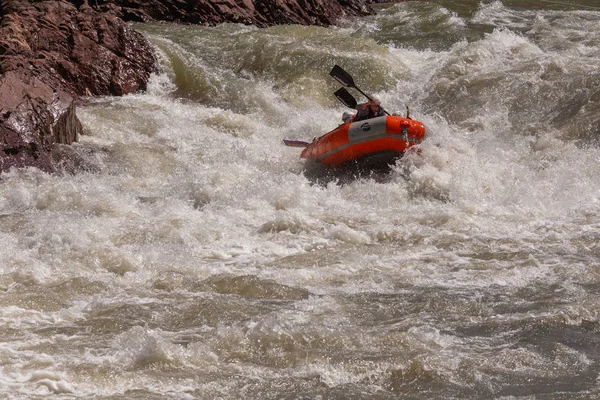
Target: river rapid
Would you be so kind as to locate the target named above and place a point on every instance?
(192, 255)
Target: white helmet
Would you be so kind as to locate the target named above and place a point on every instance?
(347, 116)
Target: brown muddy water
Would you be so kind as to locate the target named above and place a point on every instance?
(194, 256)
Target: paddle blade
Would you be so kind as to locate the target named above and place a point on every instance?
(295, 143)
(346, 98)
(342, 76)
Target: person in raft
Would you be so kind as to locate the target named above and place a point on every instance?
(370, 109)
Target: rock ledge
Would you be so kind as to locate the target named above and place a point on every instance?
(51, 54)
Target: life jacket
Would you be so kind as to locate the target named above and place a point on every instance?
(370, 109)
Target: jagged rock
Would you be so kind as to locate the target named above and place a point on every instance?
(32, 118)
(51, 53)
(256, 12)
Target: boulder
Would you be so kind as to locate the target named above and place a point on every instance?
(256, 12)
(51, 53)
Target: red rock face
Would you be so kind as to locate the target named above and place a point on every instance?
(256, 12)
(25, 121)
(50, 54)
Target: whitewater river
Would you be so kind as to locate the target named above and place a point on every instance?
(193, 256)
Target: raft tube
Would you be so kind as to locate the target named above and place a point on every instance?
(354, 141)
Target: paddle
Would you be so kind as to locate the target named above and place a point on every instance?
(341, 94)
(346, 98)
(345, 79)
(295, 143)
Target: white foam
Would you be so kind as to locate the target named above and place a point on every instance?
(191, 187)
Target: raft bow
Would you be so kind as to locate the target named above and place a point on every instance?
(389, 136)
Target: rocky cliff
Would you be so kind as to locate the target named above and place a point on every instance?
(256, 12)
(53, 52)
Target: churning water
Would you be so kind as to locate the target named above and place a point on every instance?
(193, 256)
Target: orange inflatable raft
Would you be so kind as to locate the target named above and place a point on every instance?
(388, 135)
(370, 133)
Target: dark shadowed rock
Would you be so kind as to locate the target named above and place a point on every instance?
(51, 53)
(32, 118)
(256, 12)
